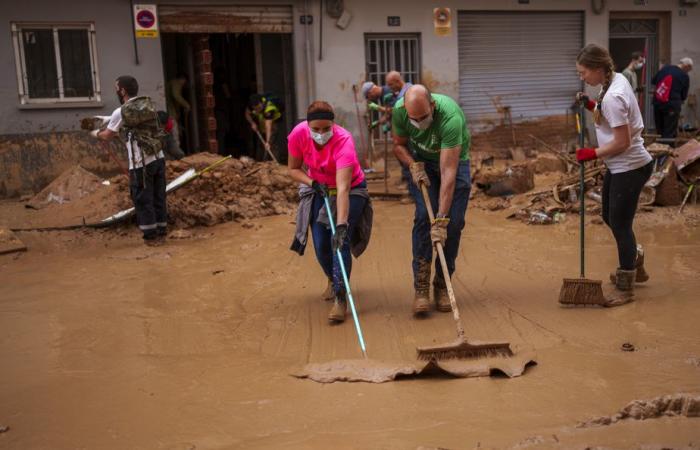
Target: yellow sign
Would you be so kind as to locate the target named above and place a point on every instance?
(146, 21)
(442, 21)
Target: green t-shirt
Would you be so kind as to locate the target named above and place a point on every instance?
(448, 130)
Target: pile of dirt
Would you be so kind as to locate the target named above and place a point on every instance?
(239, 189)
(73, 184)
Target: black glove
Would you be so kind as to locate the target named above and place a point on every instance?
(341, 232)
(319, 188)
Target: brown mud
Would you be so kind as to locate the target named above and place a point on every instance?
(105, 343)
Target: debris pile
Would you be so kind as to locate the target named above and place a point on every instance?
(683, 405)
(73, 184)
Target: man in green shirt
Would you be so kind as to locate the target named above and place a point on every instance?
(435, 128)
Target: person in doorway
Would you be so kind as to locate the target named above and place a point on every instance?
(334, 173)
(672, 84)
(434, 125)
(146, 158)
(636, 63)
(619, 126)
(178, 108)
(263, 114)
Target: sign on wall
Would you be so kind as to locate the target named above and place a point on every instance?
(442, 21)
(145, 21)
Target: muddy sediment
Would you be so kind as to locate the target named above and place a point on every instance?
(676, 405)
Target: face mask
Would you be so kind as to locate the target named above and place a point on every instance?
(423, 124)
(322, 138)
(638, 66)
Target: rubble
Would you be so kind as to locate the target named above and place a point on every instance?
(499, 182)
(73, 184)
(683, 405)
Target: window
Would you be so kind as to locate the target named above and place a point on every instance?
(385, 52)
(56, 63)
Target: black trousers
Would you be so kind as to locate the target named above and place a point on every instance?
(620, 196)
(147, 186)
(666, 119)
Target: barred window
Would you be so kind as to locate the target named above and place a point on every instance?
(56, 63)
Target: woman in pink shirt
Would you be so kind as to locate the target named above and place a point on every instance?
(332, 169)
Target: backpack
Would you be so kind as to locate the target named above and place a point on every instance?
(663, 89)
(140, 123)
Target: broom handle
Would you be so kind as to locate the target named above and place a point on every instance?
(443, 263)
(582, 207)
(346, 281)
(269, 152)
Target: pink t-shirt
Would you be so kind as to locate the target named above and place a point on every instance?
(338, 153)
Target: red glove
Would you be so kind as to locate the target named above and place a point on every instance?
(587, 102)
(585, 154)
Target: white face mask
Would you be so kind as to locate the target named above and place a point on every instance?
(423, 124)
(322, 138)
(639, 65)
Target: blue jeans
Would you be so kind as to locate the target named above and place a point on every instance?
(422, 244)
(322, 239)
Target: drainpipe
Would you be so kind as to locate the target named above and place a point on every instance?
(309, 58)
(133, 32)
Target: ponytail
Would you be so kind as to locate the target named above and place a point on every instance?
(596, 57)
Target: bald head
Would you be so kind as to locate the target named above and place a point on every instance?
(418, 102)
(394, 81)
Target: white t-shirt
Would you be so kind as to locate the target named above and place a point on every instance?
(619, 108)
(135, 154)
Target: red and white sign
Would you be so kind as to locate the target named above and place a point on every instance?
(146, 21)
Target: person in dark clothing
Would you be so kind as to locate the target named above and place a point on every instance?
(672, 84)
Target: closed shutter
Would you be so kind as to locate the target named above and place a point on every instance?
(525, 60)
(225, 19)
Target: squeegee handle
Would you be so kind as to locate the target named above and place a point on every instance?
(346, 281)
(443, 263)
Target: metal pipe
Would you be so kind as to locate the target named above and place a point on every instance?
(320, 30)
(133, 33)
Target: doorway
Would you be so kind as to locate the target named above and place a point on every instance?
(646, 33)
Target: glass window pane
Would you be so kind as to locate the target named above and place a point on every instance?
(40, 61)
(75, 63)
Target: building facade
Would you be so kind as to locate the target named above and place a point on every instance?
(59, 63)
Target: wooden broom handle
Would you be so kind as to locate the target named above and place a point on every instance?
(443, 263)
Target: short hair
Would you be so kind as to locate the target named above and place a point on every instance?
(637, 55)
(129, 84)
(319, 106)
(254, 100)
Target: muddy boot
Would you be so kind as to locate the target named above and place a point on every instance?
(340, 307)
(442, 299)
(421, 300)
(329, 293)
(642, 274)
(624, 288)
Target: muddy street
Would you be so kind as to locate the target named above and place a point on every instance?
(106, 343)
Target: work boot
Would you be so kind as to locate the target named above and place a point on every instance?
(421, 302)
(329, 293)
(440, 296)
(340, 307)
(642, 274)
(624, 288)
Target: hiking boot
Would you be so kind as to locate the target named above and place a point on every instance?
(440, 296)
(340, 307)
(421, 302)
(624, 288)
(642, 274)
(329, 293)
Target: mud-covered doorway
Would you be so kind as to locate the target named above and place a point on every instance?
(237, 50)
(646, 33)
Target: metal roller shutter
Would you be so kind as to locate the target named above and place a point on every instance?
(225, 19)
(525, 60)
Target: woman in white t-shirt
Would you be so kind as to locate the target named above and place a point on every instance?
(619, 126)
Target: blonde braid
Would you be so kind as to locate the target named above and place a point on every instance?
(609, 74)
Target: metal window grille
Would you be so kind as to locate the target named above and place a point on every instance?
(386, 52)
(56, 63)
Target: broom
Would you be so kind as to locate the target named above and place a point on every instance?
(460, 348)
(581, 291)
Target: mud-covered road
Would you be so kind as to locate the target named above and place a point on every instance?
(106, 344)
